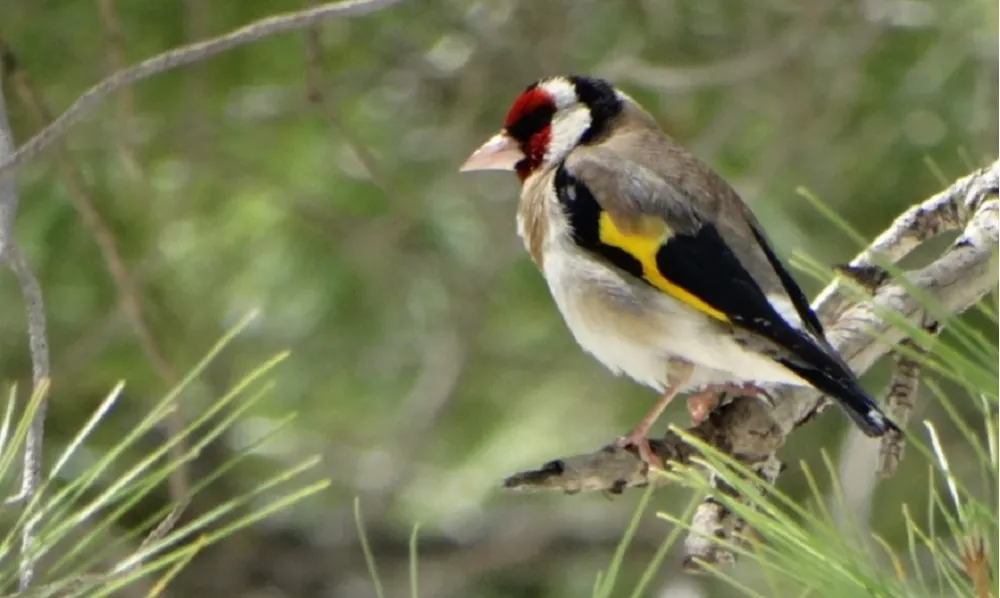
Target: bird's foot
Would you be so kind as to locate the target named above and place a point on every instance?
(637, 441)
(705, 400)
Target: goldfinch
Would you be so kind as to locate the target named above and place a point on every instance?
(659, 269)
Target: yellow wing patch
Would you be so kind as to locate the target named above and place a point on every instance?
(643, 246)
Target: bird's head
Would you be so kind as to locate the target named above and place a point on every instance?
(545, 122)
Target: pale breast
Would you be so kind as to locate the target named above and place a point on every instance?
(636, 330)
(608, 318)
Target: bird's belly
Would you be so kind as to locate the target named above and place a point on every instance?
(619, 351)
(634, 329)
(607, 319)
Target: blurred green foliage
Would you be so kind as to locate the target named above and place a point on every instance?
(428, 360)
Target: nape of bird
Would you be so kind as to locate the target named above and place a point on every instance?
(657, 266)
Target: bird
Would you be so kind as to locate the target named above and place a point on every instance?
(658, 267)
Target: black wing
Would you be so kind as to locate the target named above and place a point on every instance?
(697, 260)
(704, 264)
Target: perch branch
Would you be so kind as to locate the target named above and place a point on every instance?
(182, 56)
(751, 431)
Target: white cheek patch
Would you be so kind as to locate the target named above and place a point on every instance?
(567, 129)
(562, 91)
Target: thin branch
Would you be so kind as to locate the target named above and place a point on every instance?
(751, 431)
(127, 289)
(743, 427)
(8, 188)
(38, 345)
(178, 57)
(155, 535)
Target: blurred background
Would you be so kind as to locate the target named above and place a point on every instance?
(313, 175)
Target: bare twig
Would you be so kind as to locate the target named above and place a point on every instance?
(8, 189)
(184, 55)
(155, 535)
(751, 431)
(38, 345)
(862, 463)
(128, 292)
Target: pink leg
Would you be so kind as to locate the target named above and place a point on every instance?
(705, 400)
(638, 438)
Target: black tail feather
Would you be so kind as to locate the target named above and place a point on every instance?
(866, 414)
(855, 402)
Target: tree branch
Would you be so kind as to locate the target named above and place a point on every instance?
(38, 345)
(946, 211)
(8, 190)
(184, 55)
(751, 431)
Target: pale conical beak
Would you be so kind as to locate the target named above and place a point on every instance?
(501, 152)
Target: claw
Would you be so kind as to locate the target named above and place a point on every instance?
(637, 441)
